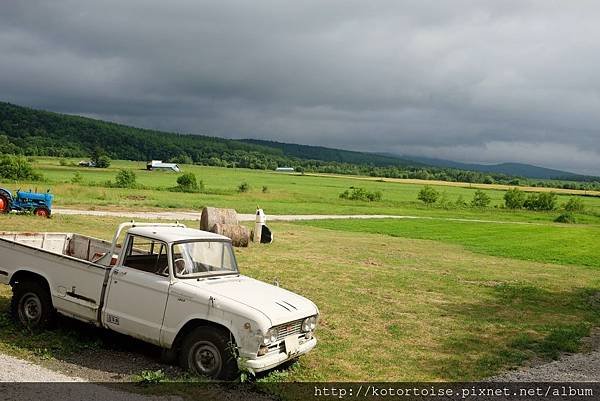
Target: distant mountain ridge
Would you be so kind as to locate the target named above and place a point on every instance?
(513, 169)
(382, 159)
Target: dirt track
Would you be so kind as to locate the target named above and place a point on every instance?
(182, 215)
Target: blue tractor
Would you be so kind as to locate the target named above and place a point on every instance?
(39, 204)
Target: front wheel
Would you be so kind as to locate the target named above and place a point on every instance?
(209, 352)
(4, 203)
(42, 211)
(32, 306)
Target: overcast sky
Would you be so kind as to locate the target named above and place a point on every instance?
(477, 81)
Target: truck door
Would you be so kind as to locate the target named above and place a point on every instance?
(138, 290)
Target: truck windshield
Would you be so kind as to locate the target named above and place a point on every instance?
(203, 258)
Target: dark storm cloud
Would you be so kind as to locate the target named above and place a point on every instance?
(469, 80)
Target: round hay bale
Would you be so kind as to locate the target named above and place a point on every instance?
(239, 235)
(213, 215)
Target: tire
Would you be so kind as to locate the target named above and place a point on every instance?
(31, 305)
(42, 211)
(208, 351)
(4, 203)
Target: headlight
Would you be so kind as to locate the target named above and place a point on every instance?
(270, 337)
(313, 322)
(309, 324)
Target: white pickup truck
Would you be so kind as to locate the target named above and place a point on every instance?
(169, 285)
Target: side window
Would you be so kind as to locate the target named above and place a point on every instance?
(147, 255)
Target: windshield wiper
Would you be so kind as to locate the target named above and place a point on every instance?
(204, 275)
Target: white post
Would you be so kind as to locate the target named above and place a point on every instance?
(260, 221)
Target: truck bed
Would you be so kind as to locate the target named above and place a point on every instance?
(68, 261)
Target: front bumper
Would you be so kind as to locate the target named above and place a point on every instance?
(267, 362)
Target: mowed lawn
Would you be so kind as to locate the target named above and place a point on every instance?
(277, 193)
(392, 308)
(569, 244)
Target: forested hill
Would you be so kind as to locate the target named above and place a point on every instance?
(337, 155)
(41, 133)
(32, 132)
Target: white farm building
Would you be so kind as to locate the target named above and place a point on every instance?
(159, 165)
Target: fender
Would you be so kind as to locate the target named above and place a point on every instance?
(29, 271)
(168, 336)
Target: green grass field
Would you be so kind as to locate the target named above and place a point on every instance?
(285, 194)
(549, 243)
(401, 300)
(394, 308)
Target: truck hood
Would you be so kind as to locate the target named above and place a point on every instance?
(277, 304)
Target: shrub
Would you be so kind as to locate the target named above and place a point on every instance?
(77, 178)
(243, 187)
(125, 178)
(514, 198)
(103, 162)
(541, 201)
(547, 201)
(566, 217)
(444, 201)
(265, 189)
(374, 196)
(428, 195)
(63, 162)
(17, 168)
(99, 158)
(461, 202)
(480, 199)
(574, 205)
(361, 194)
(187, 183)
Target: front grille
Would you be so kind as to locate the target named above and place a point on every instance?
(288, 329)
(279, 347)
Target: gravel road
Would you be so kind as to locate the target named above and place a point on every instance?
(14, 369)
(580, 367)
(583, 367)
(57, 386)
(22, 380)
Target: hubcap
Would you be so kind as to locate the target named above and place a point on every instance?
(207, 359)
(41, 212)
(30, 310)
(2, 204)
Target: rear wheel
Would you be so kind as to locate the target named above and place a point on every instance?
(31, 305)
(42, 211)
(208, 351)
(4, 203)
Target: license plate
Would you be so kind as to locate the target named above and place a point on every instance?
(291, 345)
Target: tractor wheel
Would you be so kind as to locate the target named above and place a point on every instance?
(4, 204)
(42, 211)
